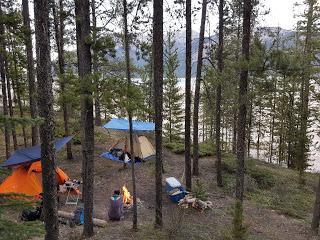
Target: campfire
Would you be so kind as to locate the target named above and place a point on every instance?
(127, 198)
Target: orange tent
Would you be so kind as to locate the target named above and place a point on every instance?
(28, 180)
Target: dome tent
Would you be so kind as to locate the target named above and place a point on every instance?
(26, 177)
(27, 180)
(143, 149)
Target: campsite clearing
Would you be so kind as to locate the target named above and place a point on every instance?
(179, 223)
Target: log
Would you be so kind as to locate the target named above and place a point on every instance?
(96, 221)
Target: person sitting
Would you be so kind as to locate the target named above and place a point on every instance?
(115, 212)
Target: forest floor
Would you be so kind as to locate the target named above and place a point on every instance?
(262, 221)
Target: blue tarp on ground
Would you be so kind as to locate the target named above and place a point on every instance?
(123, 125)
(32, 154)
(110, 156)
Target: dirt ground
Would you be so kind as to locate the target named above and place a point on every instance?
(178, 224)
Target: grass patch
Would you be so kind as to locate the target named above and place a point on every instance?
(20, 230)
(147, 232)
(205, 148)
(9, 229)
(278, 188)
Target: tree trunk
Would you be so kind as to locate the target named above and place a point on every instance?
(59, 32)
(45, 101)
(218, 93)
(4, 88)
(11, 113)
(316, 211)
(30, 70)
(82, 11)
(249, 128)
(259, 130)
(128, 73)
(272, 123)
(197, 91)
(188, 172)
(241, 136)
(291, 132)
(16, 83)
(97, 107)
(234, 133)
(304, 96)
(158, 102)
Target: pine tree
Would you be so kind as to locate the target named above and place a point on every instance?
(218, 91)
(30, 70)
(3, 83)
(59, 18)
(82, 10)
(187, 123)
(129, 110)
(45, 102)
(197, 91)
(308, 28)
(172, 92)
(241, 126)
(158, 103)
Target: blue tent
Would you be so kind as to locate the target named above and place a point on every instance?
(32, 154)
(123, 125)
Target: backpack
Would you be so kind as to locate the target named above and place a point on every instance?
(78, 216)
(31, 214)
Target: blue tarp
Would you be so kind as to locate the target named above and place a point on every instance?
(123, 125)
(32, 154)
(110, 156)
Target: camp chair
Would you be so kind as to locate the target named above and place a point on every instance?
(72, 192)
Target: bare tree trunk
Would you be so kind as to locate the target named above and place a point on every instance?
(16, 85)
(41, 10)
(128, 73)
(259, 131)
(218, 93)
(249, 129)
(290, 132)
(272, 123)
(97, 107)
(304, 96)
(11, 113)
(158, 101)
(187, 144)
(82, 11)
(241, 136)
(197, 92)
(4, 88)
(30, 70)
(234, 133)
(316, 211)
(59, 32)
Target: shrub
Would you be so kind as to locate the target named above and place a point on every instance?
(176, 147)
(199, 191)
(264, 178)
(205, 148)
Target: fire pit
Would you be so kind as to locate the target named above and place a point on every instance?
(127, 198)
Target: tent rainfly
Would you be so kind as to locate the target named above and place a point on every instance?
(26, 177)
(119, 124)
(143, 149)
(27, 180)
(32, 154)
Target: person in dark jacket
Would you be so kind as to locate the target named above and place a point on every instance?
(115, 212)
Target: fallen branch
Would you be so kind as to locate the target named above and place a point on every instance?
(96, 221)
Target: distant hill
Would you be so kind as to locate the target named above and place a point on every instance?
(267, 36)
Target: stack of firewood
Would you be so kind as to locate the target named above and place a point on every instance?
(190, 201)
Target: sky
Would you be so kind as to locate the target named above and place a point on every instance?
(282, 14)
